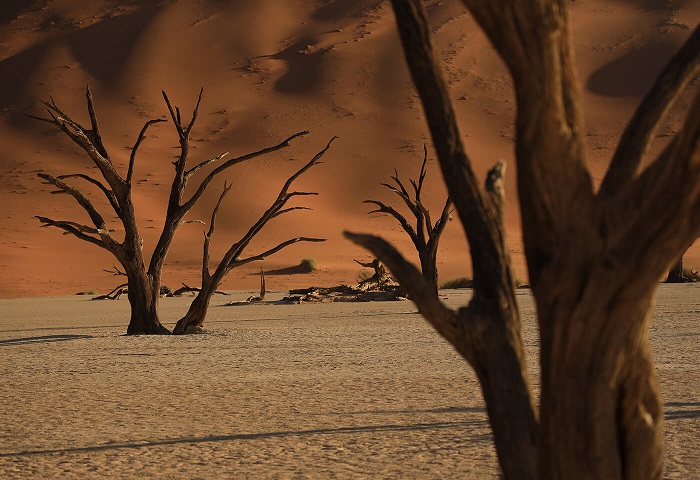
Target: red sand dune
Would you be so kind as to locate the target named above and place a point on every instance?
(270, 69)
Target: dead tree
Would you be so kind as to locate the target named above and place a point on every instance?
(425, 236)
(600, 413)
(193, 320)
(675, 274)
(260, 297)
(144, 279)
(380, 277)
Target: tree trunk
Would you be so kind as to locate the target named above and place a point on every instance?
(675, 275)
(601, 412)
(428, 263)
(499, 364)
(144, 293)
(194, 318)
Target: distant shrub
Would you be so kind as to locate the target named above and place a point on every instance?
(364, 275)
(462, 282)
(91, 292)
(309, 264)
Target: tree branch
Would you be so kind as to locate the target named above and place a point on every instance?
(74, 229)
(237, 263)
(383, 208)
(640, 130)
(87, 205)
(108, 193)
(207, 180)
(94, 133)
(192, 170)
(208, 235)
(115, 271)
(184, 133)
(291, 209)
(429, 305)
(142, 136)
(663, 203)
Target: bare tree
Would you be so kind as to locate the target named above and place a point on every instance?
(194, 319)
(675, 274)
(425, 236)
(144, 279)
(600, 413)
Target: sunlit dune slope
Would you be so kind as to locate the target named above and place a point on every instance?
(270, 69)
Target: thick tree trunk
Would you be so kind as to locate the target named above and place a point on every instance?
(428, 263)
(601, 409)
(675, 275)
(144, 293)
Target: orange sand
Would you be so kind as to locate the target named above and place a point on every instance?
(270, 69)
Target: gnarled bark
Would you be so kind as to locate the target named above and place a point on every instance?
(600, 414)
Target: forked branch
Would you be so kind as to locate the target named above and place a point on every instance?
(276, 208)
(229, 163)
(640, 130)
(80, 231)
(208, 235)
(84, 202)
(267, 253)
(139, 140)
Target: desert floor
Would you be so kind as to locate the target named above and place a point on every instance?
(288, 391)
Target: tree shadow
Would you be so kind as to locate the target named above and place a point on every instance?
(259, 436)
(680, 410)
(42, 339)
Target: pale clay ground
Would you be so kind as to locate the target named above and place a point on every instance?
(297, 391)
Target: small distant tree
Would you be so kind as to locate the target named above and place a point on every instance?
(144, 279)
(194, 319)
(425, 235)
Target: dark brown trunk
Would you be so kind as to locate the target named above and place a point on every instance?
(144, 293)
(499, 365)
(675, 275)
(601, 410)
(428, 262)
(194, 318)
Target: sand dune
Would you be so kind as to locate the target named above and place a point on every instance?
(270, 69)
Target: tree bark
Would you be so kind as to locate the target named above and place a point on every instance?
(197, 313)
(601, 411)
(144, 294)
(675, 275)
